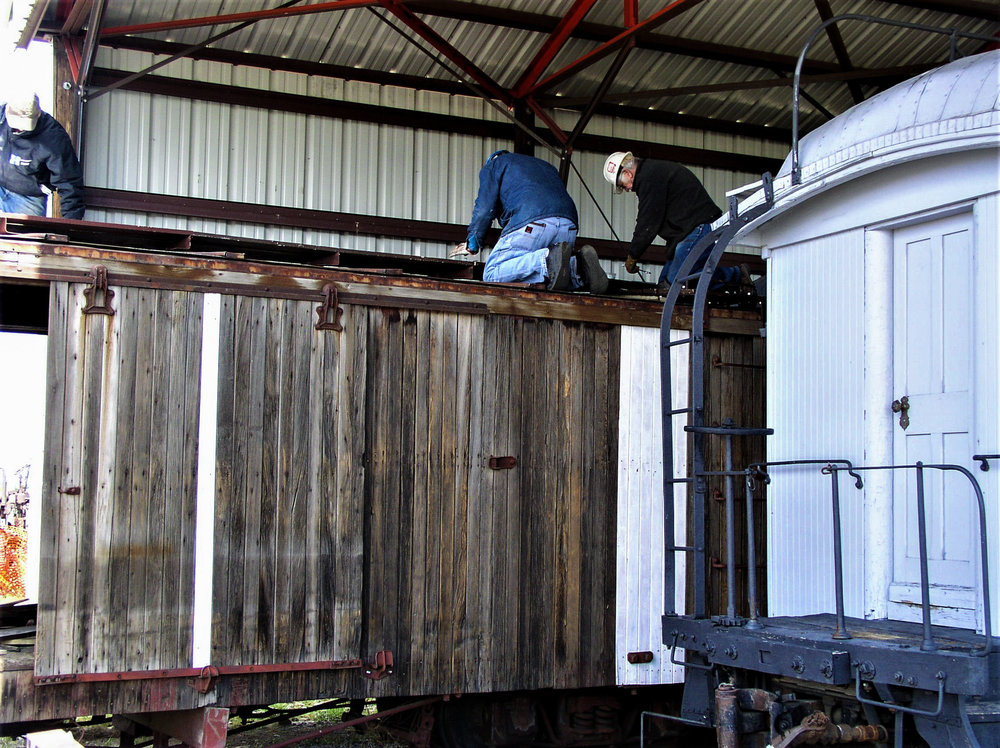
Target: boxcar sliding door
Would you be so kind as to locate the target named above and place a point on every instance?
(289, 498)
(265, 452)
(117, 537)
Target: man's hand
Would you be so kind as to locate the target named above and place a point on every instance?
(461, 250)
(631, 265)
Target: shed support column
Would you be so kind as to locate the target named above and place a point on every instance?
(199, 728)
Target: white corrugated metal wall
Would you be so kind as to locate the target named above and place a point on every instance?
(135, 141)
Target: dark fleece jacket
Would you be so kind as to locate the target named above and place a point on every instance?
(672, 203)
(43, 157)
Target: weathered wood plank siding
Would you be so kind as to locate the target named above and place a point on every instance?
(354, 506)
(117, 554)
(482, 579)
(734, 373)
(288, 562)
(381, 497)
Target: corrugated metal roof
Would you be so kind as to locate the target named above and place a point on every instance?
(497, 37)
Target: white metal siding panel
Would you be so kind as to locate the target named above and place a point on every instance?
(815, 385)
(639, 593)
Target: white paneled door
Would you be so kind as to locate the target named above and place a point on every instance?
(933, 357)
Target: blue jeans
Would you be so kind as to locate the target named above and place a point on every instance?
(519, 257)
(12, 202)
(720, 277)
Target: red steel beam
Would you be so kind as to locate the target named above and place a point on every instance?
(253, 15)
(631, 13)
(566, 26)
(550, 123)
(74, 55)
(404, 14)
(671, 11)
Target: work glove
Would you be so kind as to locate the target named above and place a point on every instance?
(460, 251)
(631, 265)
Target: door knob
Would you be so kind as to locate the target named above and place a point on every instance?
(902, 406)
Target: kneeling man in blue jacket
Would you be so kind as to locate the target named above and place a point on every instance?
(538, 222)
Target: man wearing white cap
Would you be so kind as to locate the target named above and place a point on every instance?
(36, 159)
(672, 204)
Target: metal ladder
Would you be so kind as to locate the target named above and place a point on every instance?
(711, 247)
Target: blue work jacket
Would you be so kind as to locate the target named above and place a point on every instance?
(515, 190)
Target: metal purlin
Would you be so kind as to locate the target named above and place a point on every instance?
(714, 244)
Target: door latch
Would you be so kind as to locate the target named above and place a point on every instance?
(902, 406)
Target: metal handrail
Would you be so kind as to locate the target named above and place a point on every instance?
(950, 31)
(838, 565)
(832, 468)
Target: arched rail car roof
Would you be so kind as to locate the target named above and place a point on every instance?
(952, 108)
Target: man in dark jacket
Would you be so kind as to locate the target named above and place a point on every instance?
(672, 204)
(37, 160)
(538, 223)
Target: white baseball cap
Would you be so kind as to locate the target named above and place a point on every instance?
(22, 111)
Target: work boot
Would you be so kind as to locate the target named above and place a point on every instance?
(589, 267)
(557, 266)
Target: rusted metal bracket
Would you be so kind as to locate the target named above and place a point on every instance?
(382, 667)
(323, 310)
(99, 290)
(205, 682)
(718, 363)
(639, 658)
(502, 463)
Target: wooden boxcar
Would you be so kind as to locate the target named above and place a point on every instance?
(270, 480)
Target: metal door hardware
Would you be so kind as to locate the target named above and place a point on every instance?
(902, 406)
(98, 295)
(329, 305)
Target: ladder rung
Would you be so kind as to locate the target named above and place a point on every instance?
(679, 411)
(679, 480)
(680, 548)
(681, 341)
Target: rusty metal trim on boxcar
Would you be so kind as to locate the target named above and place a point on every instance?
(29, 261)
(203, 678)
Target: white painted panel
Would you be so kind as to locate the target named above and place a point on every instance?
(815, 388)
(204, 533)
(640, 590)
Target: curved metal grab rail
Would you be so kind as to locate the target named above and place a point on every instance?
(952, 32)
